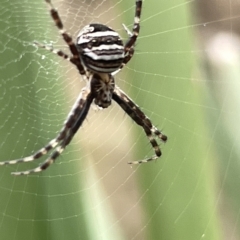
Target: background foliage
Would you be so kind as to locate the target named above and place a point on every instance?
(91, 193)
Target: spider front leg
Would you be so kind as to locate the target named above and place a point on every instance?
(141, 119)
(129, 46)
(75, 59)
(58, 52)
(136, 28)
(61, 54)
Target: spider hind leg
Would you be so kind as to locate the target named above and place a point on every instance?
(71, 126)
(142, 120)
(43, 151)
(44, 165)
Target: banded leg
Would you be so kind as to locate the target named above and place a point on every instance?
(127, 57)
(58, 52)
(136, 28)
(84, 105)
(145, 120)
(66, 37)
(78, 111)
(130, 53)
(141, 119)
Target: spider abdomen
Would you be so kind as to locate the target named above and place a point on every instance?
(101, 48)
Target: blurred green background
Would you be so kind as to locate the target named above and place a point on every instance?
(184, 75)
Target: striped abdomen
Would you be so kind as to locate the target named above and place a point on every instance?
(101, 49)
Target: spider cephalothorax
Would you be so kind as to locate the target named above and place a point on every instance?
(102, 86)
(98, 53)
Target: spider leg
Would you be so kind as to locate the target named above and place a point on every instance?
(54, 142)
(141, 119)
(58, 52)
(77, 115)
(43, 151)
(43, 166)
(55, 51)
(145, 120)
(66, 37)
(136, 27)
(127, 57)
(129, 46)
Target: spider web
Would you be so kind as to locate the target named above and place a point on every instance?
(184, 75)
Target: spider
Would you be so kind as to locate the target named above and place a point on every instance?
(98, 54)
